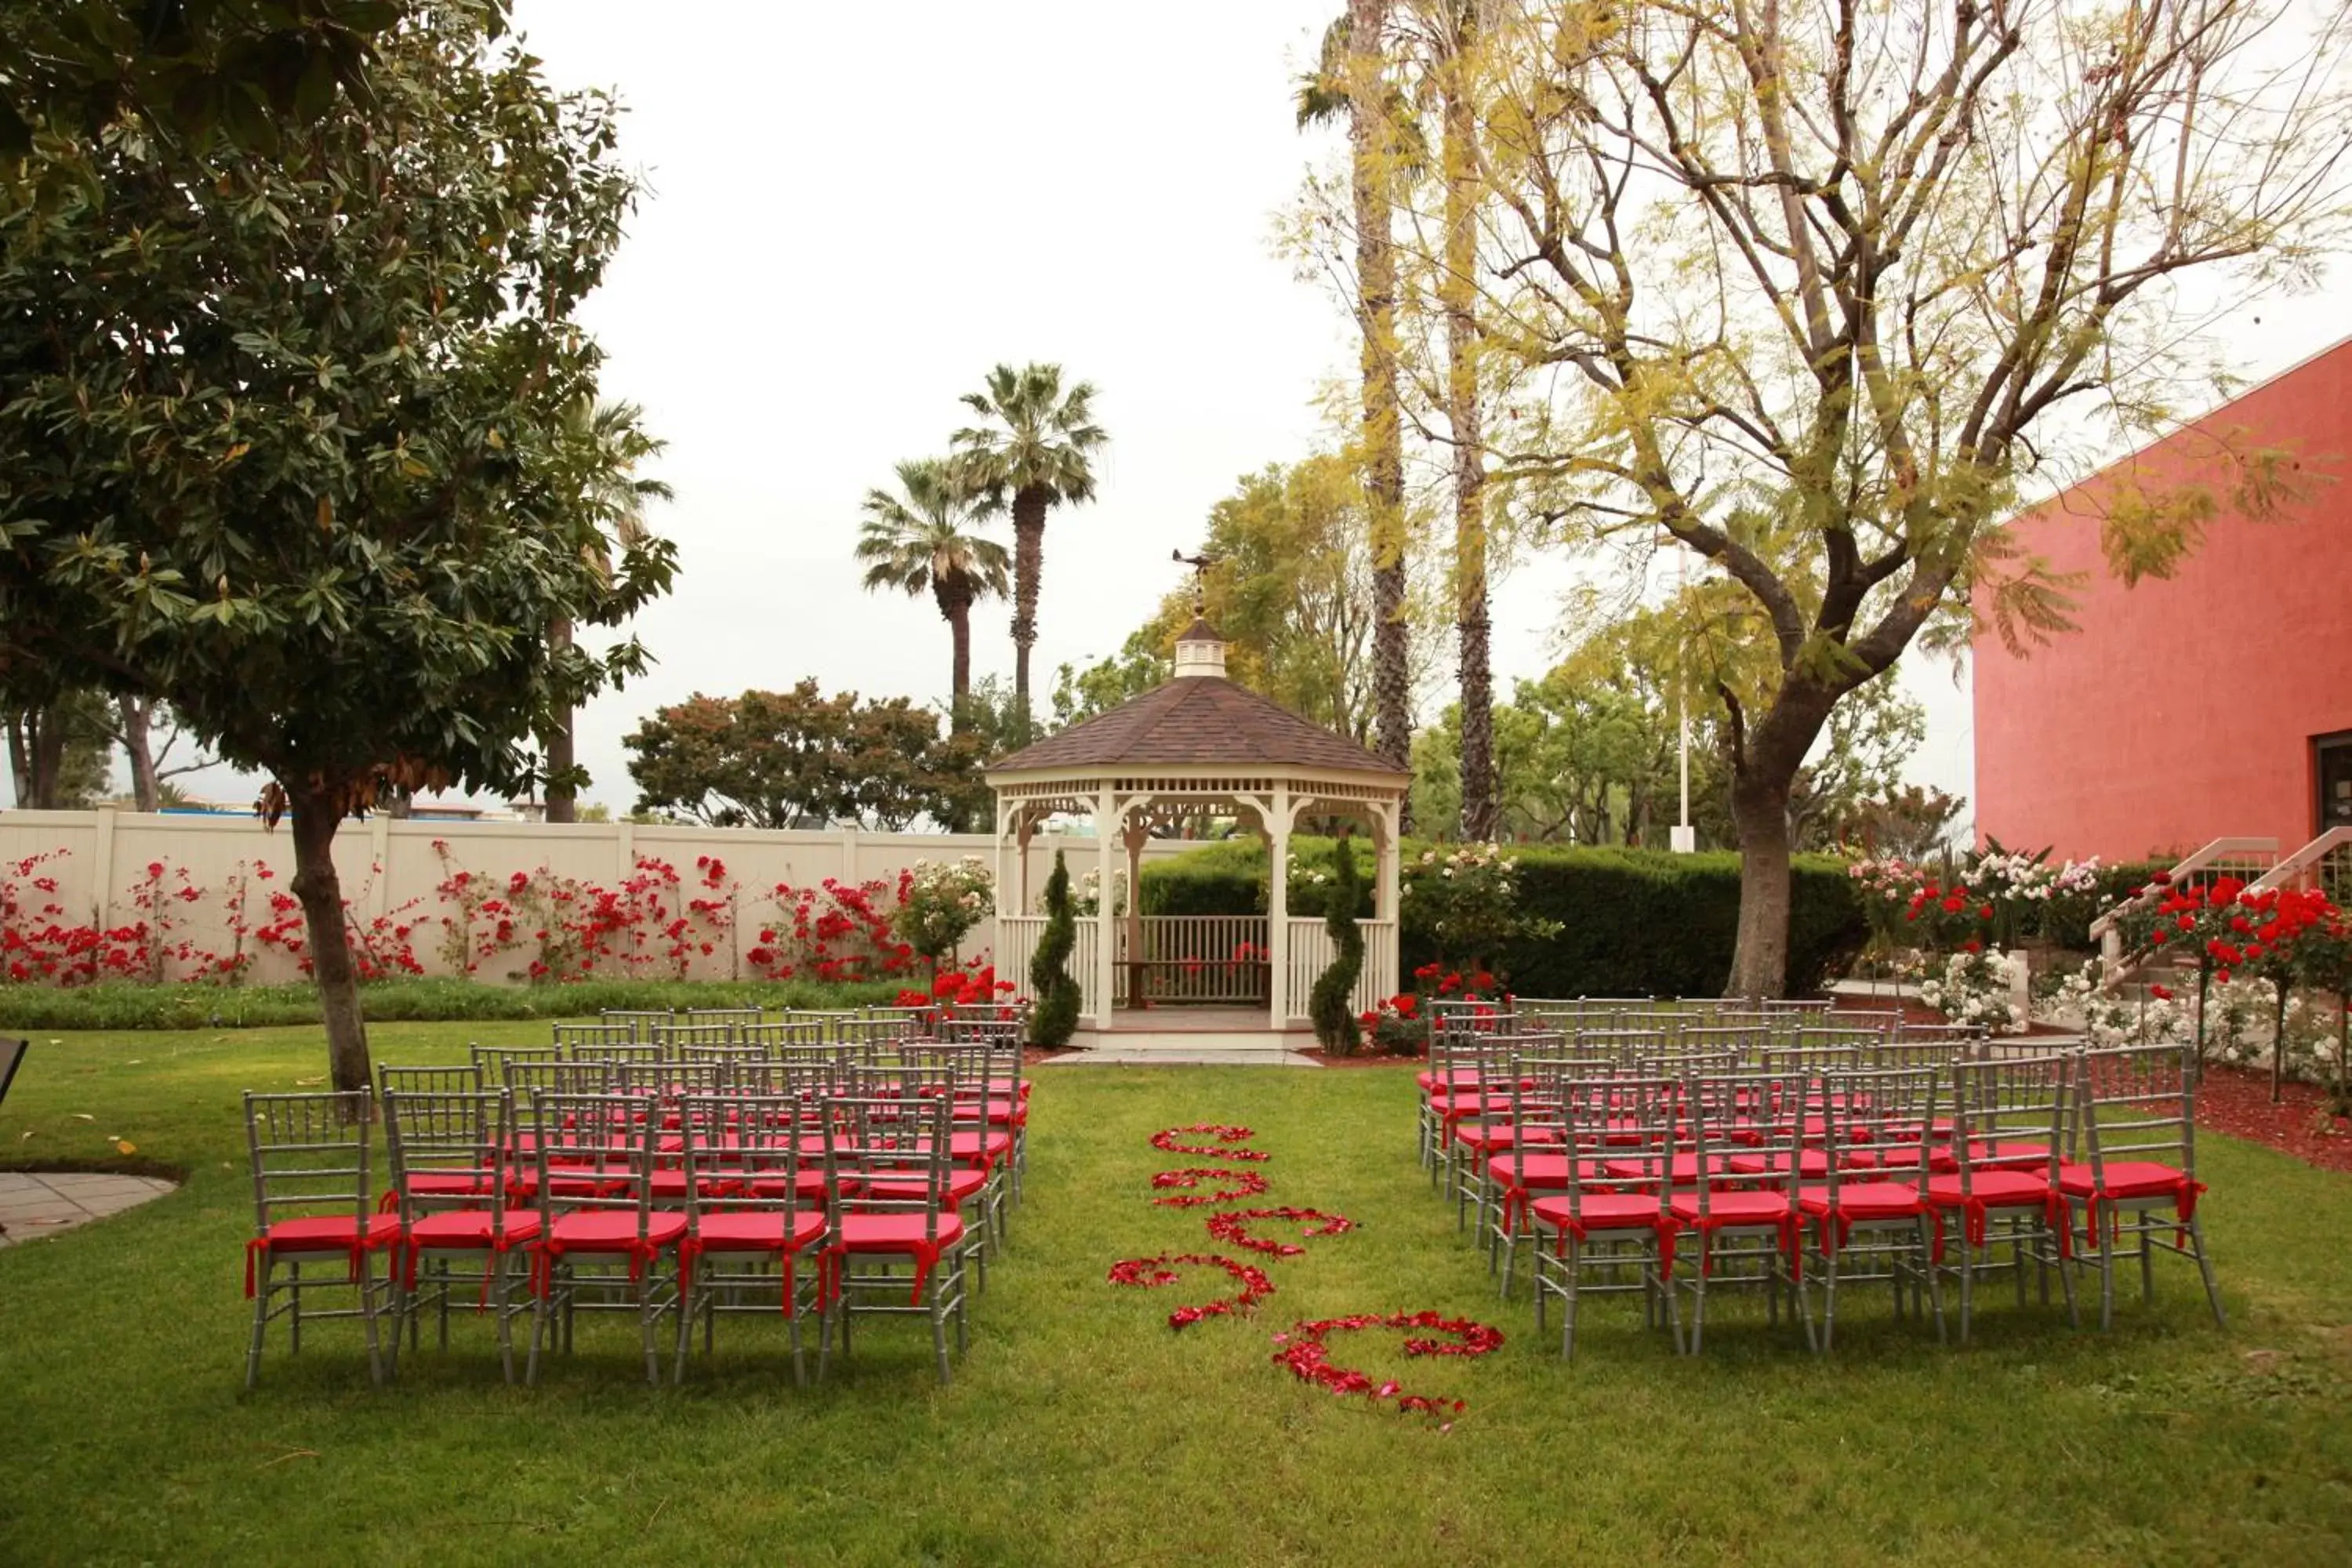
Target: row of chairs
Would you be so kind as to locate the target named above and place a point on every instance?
(1666, 1178)
(811, 1026)
(840, 1160)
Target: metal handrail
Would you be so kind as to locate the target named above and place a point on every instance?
(2310, 855)
(2107, 929)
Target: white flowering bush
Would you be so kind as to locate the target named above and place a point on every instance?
(1978, 988)
(940, 901)
(2108, 1018)
(1463, 904)
(1085, 895)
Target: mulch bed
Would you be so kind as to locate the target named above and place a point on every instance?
(2237, 1101)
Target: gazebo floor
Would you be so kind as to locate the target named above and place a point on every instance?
(1203, 1035)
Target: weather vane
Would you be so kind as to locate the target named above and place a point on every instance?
(1200, 564)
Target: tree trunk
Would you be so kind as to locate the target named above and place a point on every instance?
(2278, 1044)
(20, 762)
(1369, 138)
(1765, 761)
(1760, 958)
(46, 747)
(954, 598)
(1480, 809)
(1028, 564)
(314, 816)
(562, 800)
(139, 745)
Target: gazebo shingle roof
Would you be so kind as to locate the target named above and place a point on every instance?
(1202, 720)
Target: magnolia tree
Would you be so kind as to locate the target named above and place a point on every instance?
(290, 446)
(1819, 292)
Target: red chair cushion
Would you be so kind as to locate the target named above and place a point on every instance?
(1543, 1172)
(962, 1184)
(1602, 1211)
(471, 1228)
(614, 1230)
(1682, 1170)
(1498, 1136)
(896, 1232)
(329, 1233)
(2125, 1179)
(1863, 1200)
(757, 1230)
(1732, 1207)
(1811, 1163)
(1994, 1189)
(2007, 1155)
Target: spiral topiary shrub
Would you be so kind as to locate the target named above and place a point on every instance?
(1330, 1004)
(1053, 995)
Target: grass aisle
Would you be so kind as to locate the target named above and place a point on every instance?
(1081, 1429)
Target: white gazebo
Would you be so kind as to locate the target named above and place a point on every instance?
(1198, 746)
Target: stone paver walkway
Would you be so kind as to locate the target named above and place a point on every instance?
(42, 1202)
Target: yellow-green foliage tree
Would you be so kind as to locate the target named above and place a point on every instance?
(1820, 289)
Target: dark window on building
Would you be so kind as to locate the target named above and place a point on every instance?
(2332, 754)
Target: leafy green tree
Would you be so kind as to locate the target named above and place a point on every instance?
(1053, 997)
(926, 538)
(799, 758)
(290, 446)
(1818, 289)
(1035, 452)
(1330, 1003)
(617, 498)
(1080, 693)
(189, 70)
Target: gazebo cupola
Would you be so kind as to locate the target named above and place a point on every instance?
(1200, 651)
(1198, 745)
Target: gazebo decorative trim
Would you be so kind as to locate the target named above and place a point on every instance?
(1197, 745)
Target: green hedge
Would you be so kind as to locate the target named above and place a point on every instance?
(131, 1007)
(1634, 922)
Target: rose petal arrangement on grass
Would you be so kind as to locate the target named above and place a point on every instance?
(1232, 1227)
(1166, 1140)
(1309, 1359)
(1151, 1273)
(1304, 1351)
(1234, 1186)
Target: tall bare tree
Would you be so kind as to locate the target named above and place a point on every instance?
(615, 498)
(1353, 76)
(1831, 284)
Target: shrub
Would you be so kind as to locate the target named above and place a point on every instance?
(1632, 922)
(939, 902)
(130, 1006)
(1330, 1003)
(1054, 996)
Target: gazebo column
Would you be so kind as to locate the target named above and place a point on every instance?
(1386, 900)
(1110, 826)
(1133, 840)
(1277, 907)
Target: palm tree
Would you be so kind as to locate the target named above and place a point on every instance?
(614, 434)
(1035, 455)
(922, 542)
(1352, 79)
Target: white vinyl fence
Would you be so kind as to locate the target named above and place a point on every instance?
(395, 869)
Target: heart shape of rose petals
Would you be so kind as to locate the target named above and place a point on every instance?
(1234, 1186)
(1233, 1228)
(1309, 1359)
(1151, 1273)
(1166, 1139)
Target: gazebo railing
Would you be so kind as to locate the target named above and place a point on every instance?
(1311, 955)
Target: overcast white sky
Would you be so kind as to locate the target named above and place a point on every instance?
(853, 211)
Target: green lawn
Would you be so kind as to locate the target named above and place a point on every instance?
(1080, 1429)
